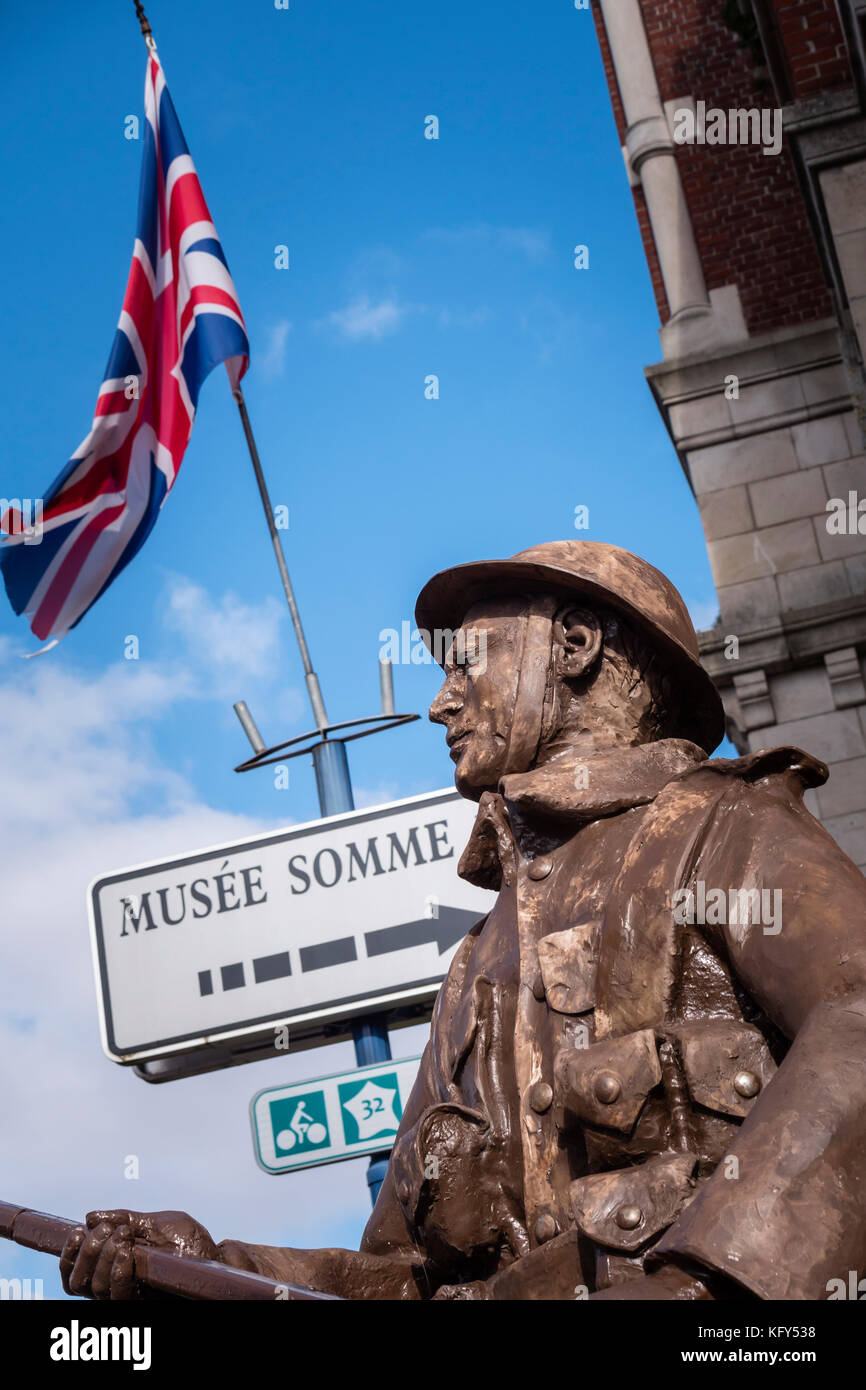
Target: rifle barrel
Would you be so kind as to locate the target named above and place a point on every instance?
(160, 1270)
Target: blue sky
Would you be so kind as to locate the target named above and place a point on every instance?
(408, 257)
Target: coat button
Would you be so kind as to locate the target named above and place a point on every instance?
(540, 868)
(747, 1084)
(545, 1228)
(628, 1218)
(541, 1097)
(607, 1087)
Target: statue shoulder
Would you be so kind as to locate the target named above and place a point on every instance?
(760, 819)
(785, 766)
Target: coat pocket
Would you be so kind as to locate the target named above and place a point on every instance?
(606, 1084)
(569, 961)
(726, 1064)
(624, 1210)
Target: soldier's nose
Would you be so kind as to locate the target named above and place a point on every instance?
(447, 702)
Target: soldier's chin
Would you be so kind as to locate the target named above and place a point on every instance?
(473, 776)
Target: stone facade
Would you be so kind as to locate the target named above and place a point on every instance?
(759, 266)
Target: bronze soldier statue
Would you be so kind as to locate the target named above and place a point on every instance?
(646, 1074)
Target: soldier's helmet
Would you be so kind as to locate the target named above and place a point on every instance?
(594, 570)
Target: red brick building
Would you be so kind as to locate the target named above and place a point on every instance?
(743, 126)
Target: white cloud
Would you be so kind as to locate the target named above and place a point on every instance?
(378, 795)
(228, 640)
(84, 791)
(273, 360)
(363, 319)
(75, 746)
(532, 242)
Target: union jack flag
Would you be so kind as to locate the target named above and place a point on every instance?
(180, 318)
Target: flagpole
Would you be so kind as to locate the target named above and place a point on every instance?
(336, 776)
(312, 680)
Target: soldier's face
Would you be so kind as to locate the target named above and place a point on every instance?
(476, 702)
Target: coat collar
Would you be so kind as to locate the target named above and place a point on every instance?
(569, 791)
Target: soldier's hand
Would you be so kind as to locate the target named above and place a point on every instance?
(98, 1259)
(462, 1293)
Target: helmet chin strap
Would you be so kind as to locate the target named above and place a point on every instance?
(533, 681)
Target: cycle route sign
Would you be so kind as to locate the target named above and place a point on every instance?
(336, 1117)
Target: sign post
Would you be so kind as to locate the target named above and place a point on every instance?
(370, 1035)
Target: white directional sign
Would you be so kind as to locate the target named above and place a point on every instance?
(303, 927)
(336, 1117)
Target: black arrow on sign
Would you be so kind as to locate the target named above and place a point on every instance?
(445, 930)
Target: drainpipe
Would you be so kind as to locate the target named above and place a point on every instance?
(652, 155)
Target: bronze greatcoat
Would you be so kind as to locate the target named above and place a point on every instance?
(607, 1085)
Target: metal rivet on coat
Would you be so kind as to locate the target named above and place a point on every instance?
(403, 1192)
(540, 868)
(607, 1087)
(747, 1084)
(545, 1228)
(538, 987)
(628, 1218)
(541, 1097)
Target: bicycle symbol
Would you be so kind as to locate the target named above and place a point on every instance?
(302, 1129)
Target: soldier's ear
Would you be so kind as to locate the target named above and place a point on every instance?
(580, 635)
